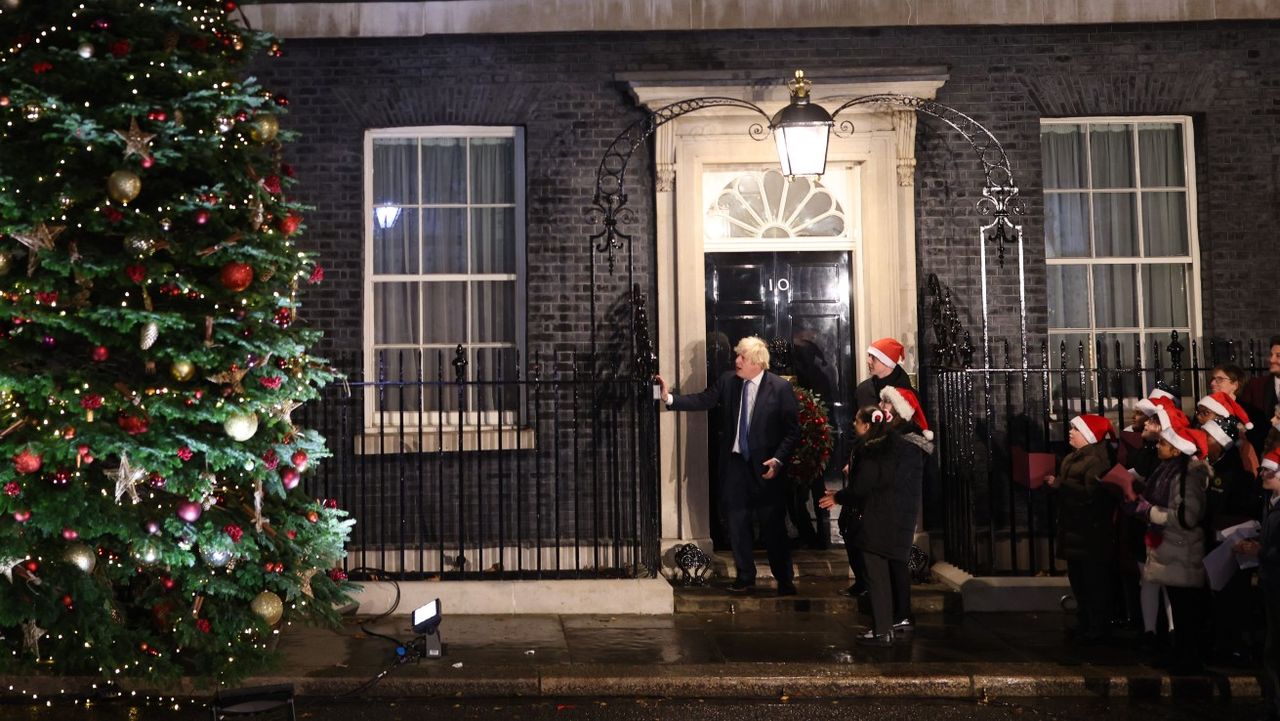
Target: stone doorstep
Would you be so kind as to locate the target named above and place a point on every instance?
(812, 597)
(890, 680)
(1004, 593)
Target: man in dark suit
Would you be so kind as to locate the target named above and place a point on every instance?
(761, 427)
(1259, 398)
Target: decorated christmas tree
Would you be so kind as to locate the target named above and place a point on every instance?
(151, 349)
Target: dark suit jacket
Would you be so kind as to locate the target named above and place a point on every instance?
(1258, 398)
(774, 425)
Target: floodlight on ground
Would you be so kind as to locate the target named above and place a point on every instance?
(426, 623)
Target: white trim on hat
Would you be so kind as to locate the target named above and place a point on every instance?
(1161, 393)
(898, 401)
(879, 354)
(1079, 424)
(1270, 463)
(1147, 408)
(1215, 431)
(1184, 446)
(1212, 404)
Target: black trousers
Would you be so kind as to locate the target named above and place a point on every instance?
(900, 587)
(1090, 580)
(747, 499)
(856, 560)
(1189, 607)
(1271, 654)
(879, 588)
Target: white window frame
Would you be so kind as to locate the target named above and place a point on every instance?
(476, 422)
(1195, 323)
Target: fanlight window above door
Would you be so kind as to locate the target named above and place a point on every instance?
(763, 204)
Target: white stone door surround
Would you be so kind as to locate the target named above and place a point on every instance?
(881, 153)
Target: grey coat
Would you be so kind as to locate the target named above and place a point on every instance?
(1179, 558)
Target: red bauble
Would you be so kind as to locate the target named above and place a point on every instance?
(236, 277)
(100, 354)
(289, 224)
(70, 534)
(290, 478)
(24, 461)
(68, 601)
(22, 516)
(31, 565)
(120, 48)
(299, 460)
(133, 425)
(202, 217)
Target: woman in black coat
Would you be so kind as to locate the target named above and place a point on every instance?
(888, 510)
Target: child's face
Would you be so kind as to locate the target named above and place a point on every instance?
(1166, 451)
(1270, 479)
(1076, 439)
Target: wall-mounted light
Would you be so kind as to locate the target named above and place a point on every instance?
(386, 215)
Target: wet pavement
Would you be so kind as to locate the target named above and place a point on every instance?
(682, 709)
(776, 650)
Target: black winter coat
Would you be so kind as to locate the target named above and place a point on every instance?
(1233, 495)
(1086, 510)
(884, 481)
(1269, 556)
(868, 392)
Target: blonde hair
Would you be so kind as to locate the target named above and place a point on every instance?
(753, 349)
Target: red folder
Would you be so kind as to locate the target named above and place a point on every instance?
(1029, 469)
(1120, 477)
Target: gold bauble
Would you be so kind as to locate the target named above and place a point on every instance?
(182, 370)
(80, 556)
(140, 244)
(6, 263)
(241, 426)
(268, 606)
(264, 128)
(123, 186)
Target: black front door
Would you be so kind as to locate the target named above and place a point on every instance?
(803, 298)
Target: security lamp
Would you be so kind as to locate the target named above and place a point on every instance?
(801, 131)
(426, 623)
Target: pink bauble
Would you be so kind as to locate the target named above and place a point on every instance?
(189, 511)
(70, 534)
(290, 478)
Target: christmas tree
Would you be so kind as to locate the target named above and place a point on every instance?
(151, 520)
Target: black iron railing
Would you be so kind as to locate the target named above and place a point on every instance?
(549, 473)
(987, 416)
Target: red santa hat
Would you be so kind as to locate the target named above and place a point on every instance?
(1224, 406)
(1171, 418)
(1153, 403)
(1222, 430)
(1161, 391)
(1271, 461)
(907, 406)
(1094, 428)
(1189, 441)
(887, 350)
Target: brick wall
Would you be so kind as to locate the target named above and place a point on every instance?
(560, 88)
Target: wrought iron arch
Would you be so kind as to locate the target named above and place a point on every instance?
(1000, 202)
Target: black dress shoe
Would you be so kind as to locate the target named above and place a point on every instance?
(871, 638)
(741, 586)
(786, 589)
(854, 591)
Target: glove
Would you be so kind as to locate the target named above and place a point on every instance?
(1140, 507)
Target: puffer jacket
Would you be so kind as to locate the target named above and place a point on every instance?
(1178, 558)
(1086, 509)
